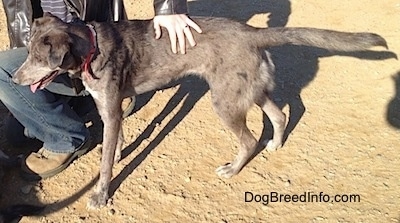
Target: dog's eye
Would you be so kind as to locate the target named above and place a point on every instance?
(46, 40)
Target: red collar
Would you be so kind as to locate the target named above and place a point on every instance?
(86, 70)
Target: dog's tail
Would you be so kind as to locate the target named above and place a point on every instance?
(321, 38)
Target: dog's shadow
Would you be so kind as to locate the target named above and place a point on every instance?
(296, 67)
(18, 197)
(191, 89)
(278, 11)
(393, 108)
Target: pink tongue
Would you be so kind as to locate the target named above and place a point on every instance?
(35, 86)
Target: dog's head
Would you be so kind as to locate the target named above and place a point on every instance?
(50, 53)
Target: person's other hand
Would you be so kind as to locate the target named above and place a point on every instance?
(178, 27)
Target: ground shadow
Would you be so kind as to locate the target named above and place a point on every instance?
(13, 201)
(19, 197)
(393, 108)
(278, 10)
(190, 90)
(296, 68)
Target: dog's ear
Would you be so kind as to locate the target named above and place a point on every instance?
(56, 58)
(58, 46)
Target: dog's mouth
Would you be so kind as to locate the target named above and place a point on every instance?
(42, 83)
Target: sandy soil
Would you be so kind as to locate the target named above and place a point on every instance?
(343, 134)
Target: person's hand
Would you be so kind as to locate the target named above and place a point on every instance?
(178, 27)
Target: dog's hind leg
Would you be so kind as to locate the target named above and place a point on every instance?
(117, 156)
(277, 118)
(125, 113)
(236, 121)
(262, 99)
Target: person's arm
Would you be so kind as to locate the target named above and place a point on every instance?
(19, 16)
(170, 7)
(172, 14)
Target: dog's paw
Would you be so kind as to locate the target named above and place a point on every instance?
(271, 146)
(97, 201)
(226, 171)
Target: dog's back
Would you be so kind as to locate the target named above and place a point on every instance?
(226, 52)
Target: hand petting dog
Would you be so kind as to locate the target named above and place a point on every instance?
(178, 26)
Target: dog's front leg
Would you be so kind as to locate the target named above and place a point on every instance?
(111, 114)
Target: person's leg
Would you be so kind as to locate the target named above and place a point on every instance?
(46, 116)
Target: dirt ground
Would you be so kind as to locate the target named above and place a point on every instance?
(343, 135)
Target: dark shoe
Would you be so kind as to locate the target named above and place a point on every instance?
(45, 164)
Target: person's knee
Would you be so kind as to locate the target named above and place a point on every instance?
(10, 61)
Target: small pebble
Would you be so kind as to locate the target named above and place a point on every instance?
(111, 212)
(319, 218)
(162, 156)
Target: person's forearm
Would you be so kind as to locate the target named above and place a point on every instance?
(170, 7)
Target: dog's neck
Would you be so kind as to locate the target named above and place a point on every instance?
(83, 49)
(87, 74)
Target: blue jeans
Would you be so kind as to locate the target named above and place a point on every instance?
(46, 115)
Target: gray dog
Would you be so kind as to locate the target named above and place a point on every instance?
(118, 60)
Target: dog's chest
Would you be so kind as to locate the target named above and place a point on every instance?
(95, 94)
